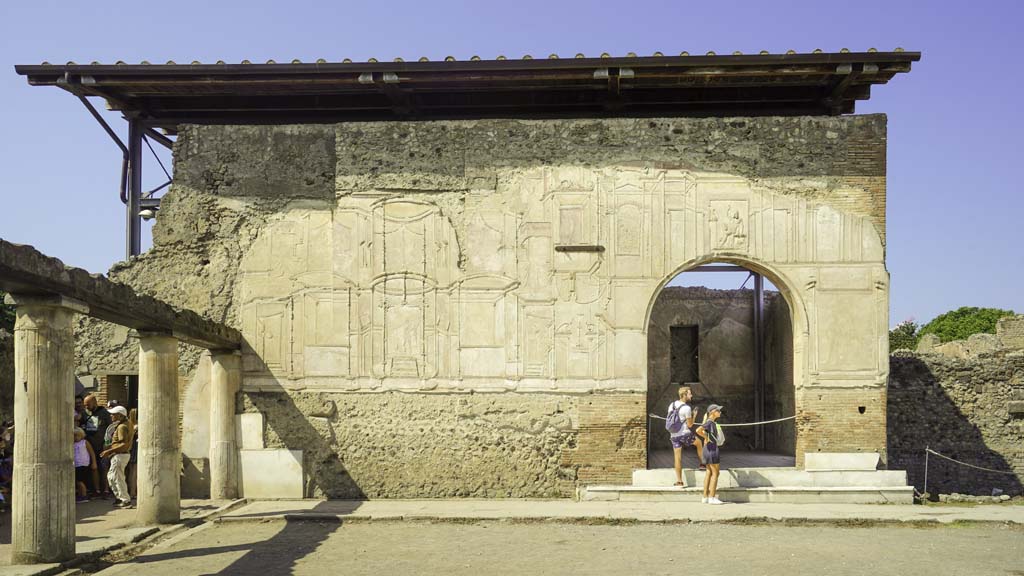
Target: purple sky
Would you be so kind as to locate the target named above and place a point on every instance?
(955, 209)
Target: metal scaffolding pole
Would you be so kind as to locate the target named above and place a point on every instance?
(759, 395)
(133, 224)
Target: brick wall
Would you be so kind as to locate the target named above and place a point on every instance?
(841, 420)
(612, 438)
(1010, 332)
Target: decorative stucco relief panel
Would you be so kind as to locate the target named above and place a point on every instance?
(544, 283)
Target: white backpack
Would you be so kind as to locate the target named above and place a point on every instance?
(719, 433)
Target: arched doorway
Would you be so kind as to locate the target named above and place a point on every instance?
(725, 330)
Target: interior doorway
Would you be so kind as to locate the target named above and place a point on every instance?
(726, 332)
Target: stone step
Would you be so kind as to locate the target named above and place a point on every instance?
(769, 477)
(772, 494)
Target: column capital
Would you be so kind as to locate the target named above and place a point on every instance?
(47, 301)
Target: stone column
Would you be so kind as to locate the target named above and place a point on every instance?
(159, 467)
(43, 511)
(225, 378)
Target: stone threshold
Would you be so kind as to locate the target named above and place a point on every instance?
(763, 494)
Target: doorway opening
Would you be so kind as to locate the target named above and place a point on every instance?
(726, 332)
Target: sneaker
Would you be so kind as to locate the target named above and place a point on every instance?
(715, 500)
(80, 499)
(703, 500)
(122, 504)
(702, 468)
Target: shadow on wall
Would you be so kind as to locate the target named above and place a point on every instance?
(959, 411)
(326, 474)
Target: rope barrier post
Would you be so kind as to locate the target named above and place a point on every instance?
(927, 449)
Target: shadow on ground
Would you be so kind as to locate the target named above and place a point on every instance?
(299, 537)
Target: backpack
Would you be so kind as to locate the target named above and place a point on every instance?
(673, 423)
(719, 437)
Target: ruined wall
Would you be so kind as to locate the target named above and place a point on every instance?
(439, 261)
(391, 445)
(960, 408)
(967, 406)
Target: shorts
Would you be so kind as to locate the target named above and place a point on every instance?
(683, 441)
(82, 474)
(711, 455)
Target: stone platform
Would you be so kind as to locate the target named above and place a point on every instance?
(827, 478)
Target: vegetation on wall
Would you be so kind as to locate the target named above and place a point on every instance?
(960, 323)
(904, 336)
(953, 325)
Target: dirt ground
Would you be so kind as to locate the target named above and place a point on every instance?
(305, 547)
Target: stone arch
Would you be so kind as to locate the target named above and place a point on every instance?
(796, 304)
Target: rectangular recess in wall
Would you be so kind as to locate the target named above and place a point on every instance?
(684, 361)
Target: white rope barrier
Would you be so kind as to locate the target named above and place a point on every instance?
(969, 465)
(741, 423)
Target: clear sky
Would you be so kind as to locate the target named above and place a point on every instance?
(955, 205)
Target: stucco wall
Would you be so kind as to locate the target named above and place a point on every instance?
(426, 259)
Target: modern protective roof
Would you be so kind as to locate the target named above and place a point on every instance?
(166, 95)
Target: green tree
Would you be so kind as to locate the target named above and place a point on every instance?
(962, 322)
(6, 314)
(904, 336)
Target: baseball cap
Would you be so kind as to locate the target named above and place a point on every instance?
(119, 410)
(714, 407)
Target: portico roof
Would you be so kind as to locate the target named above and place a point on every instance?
(167, 95)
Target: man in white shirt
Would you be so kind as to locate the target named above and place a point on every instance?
(685, 436)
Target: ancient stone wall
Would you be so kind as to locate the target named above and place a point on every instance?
(963, 408)
(512, 262)
(392, 445)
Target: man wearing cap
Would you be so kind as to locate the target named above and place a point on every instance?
(711, 434)
(119, 454)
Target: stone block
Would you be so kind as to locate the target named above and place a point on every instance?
(195, 477)
(981, 343)
(928, 343)
(1010, 332)
(841, 460)
(1015, 407)
(271, 473)
(954, 349)
(249, 431)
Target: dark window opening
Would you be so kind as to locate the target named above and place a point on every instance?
(685, 355)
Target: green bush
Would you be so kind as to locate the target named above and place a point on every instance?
(904, 336)
(962, 322)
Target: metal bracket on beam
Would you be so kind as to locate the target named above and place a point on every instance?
(388, 82)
